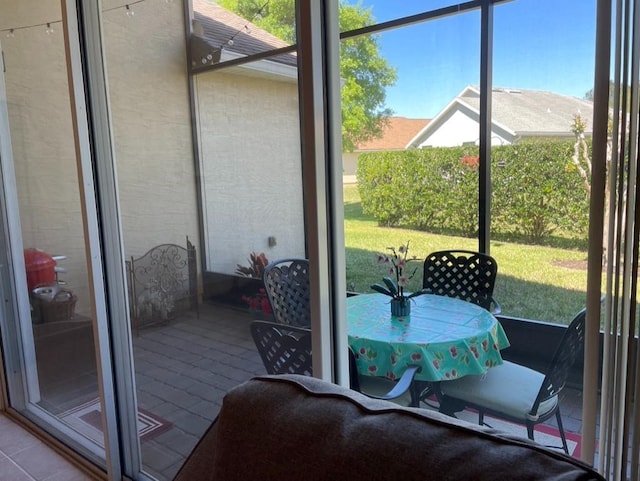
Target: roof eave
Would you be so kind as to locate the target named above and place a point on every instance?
(413, 143)
(264, 68)
(433, 125)
(542, 133)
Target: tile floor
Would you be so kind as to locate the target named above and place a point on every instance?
(23, 457)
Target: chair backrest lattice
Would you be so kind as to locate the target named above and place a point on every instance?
(287, 285)
(461, 274)
(287, 350)
(567, 353)
(283, 349)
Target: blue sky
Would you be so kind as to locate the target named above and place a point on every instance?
(538, 44)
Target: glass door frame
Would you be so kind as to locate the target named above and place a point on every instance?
(18, 342)
(322, 182)
(116, 349)
(13, 272)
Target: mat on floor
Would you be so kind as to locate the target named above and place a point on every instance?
(87, 420)
(543, 434)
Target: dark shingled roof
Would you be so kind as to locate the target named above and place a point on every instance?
(220, 25)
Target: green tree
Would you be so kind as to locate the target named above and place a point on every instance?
(626, 91)
(365, 74)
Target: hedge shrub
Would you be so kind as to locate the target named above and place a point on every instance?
(535, 190)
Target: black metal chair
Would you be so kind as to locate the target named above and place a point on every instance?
(287, 350)
(283, 349)
(461, 274)
(286, 282)
(516, 393)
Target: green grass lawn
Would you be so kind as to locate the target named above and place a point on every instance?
(534, 282)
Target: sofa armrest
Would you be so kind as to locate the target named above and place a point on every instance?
(300, 428)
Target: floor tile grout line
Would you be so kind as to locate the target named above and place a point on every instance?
(24, 434)
(20, 468)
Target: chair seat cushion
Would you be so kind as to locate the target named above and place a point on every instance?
(375, 386)
(510, 389)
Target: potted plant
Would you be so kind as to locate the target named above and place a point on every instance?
(244, 288)
(397, 279)
(257, 263)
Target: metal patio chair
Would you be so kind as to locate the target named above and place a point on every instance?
(516, 393)
(287, 350)
(283, 349)
(286, 282)
(462, 274)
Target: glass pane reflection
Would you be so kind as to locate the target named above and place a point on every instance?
(59, 332)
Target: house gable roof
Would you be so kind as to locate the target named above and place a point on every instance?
(395, 134)
(519, 112)
(536, 111)
(219, 26)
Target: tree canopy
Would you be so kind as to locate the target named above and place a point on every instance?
(365, 74)
(626, 91)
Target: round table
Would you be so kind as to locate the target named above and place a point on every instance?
(447, 337)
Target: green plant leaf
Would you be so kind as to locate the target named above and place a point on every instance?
(391, 285)
(381, 289)
(418, 293)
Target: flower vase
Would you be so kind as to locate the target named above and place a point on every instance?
(400, 307)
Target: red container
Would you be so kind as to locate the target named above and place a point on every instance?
(40, 268)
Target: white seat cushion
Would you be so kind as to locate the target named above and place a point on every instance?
(509, 388)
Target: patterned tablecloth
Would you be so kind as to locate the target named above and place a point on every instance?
(448, 337)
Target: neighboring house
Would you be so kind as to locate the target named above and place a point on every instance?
(516, 114)
(395, 136)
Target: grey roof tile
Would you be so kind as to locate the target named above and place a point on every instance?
(220, 25)
(534, 111)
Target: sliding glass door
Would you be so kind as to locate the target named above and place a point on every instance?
(49, 251)
(198, 170)
(209, 179)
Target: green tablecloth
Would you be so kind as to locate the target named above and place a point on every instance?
(448, 338)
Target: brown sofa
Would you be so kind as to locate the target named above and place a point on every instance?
(294, 427)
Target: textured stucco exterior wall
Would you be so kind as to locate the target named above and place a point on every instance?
(42, 137)
(148, 89)
(252, 172)
(151, 120)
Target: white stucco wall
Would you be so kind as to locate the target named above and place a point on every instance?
(148, 90)
(453, 130)
(350, 163)
(42, 137)
(456, 128)
(150, 109)
(252, 172)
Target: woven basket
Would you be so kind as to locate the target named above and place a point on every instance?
(60, 308)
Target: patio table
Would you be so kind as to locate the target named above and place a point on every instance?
(449, 338)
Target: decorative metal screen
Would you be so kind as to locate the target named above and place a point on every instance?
(162, 283)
